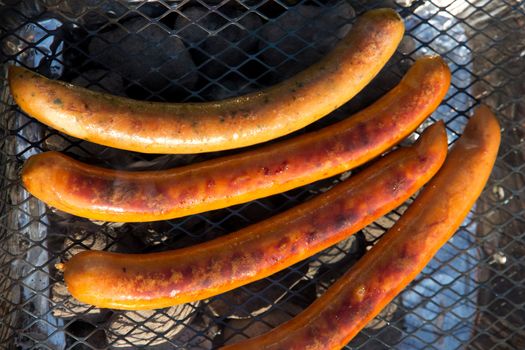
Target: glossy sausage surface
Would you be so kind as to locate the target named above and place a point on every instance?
(357, 297)
(109, 195)
(148, 281)
(153, 127)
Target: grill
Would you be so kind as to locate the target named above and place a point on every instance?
(470, 296)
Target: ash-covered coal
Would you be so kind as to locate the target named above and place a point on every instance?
(257, 297)
(237, 330)
(128, 329)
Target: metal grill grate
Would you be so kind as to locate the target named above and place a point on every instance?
(471, 295)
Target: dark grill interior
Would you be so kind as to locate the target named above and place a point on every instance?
(471, 295)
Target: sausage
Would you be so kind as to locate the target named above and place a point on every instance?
(153, 127)
(157, 280)
(357, 297)
(110, 195)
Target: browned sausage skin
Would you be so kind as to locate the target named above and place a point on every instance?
(335, 318)
(158, 280)
(152, 127)
(109, 195)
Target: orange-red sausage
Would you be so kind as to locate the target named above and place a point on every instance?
(109, 195)
(153, 127)
(335, 318)
(150, 281)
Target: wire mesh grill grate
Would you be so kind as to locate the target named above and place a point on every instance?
(471, 295)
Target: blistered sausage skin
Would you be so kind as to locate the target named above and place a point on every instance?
(153, 127)
(149, 281)
(357, 297)
(110, 195)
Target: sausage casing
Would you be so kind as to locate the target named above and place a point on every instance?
(153, 127)
(357, 297)
(110, 195)
(157, 280)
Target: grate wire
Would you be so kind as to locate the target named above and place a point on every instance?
(470, 296)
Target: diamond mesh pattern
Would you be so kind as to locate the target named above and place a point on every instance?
(471, 295)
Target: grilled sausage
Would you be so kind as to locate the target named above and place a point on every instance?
(357, 297)
(152, 127)
(109, 195)
(148, 281)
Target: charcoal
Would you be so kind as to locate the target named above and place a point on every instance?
(257, 297)
(237, 330)
(298, 33)
(227, 88)
(129, 329)
(222, 44)
(198, 335)
(84, 237)
(111, 157)
(213, 2)
(91, 14)
(334, 254)
(162, 236)
(82, 240)
(160, 162)
(333, 262)
(190, 28)
(101, 81)
(14, 13)
(71, 9)
(68, 307)
(55, 141)
(88, 151)
(374, 231)
(93, 336)
(383, 318)
(145, 54)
